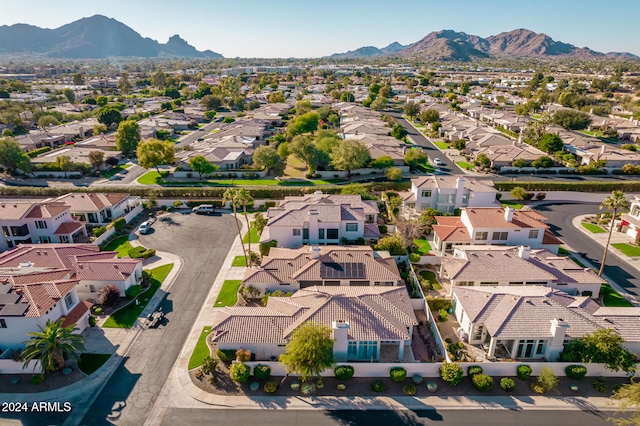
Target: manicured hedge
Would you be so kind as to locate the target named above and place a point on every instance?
(36, 152)
(584, 186)
(575, 371)
(343, 372)
(398, 374)
(523, 372)
(141, 252)
(482, 382)
(261, 371)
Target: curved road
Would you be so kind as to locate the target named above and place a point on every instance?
(203, 242)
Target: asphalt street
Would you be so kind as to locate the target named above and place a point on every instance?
(490, 417)
(203, 242)
(560, 216)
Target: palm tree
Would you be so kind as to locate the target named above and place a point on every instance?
(231, 196)
(51, 344)
(616, 201)
(245, 198)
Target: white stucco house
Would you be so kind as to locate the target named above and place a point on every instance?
(630, 223)
(27, 222)
(100, 208)
(331, 266)
(321, 219)
(448, 193)
(536, 322)
(367, 323)
(85, 263)
(517, 266)
(494, 226)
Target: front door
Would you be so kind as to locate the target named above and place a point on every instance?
(525, 348)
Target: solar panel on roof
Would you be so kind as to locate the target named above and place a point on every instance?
(5, 288)
(9, 299)
(16, 310)
(333, 270)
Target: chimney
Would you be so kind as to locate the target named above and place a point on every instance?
(603, 149)
(318, 194)
(558, 332)
(315, 252)
(340, 330)
(524, 252)
(313, 227)
(508, 214)
(520, 140)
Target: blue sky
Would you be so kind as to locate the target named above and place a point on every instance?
(308, 28)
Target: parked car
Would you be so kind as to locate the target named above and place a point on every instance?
(200, 139)
(437, 162)
(204, 209)
(144, 227)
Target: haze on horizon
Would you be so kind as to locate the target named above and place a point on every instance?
(288, 28)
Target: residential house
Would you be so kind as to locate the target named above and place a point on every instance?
(39, 139)
(494, 226)
(77, 154)
(28, 299)
(448, 193)
(368, 323)
(517, 266)
(25, 222)
(630, 223)
(536, 322)
(321, 219)
(99, 208)
(85, 263)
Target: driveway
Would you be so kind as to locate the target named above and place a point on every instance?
(203, 243)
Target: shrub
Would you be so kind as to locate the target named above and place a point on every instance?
(239, 372)
(199, 374)
(437, 304)
(398, 374)
(343, 372)
(109, 295)
(120, 223)
(140, 252)
(36, 379)
(307, 388)
(270, 387)
(524, 372)
(575, 371)
(210, 365)
(409, 389)
(541, 196)
(99, 230)
(360, 241)
(133, 291)
(537, 388)
(341, 386)
(482, 382)
(448, 340)
(507, 384)
(383, 229)
(92, 321)
(600, 386)
(473, 370)
(261, 371)
(451, 373)
(414, 257)
(98, 311)
(548, 378)
(443, 314)
(377, 386)
(226, 355)
(266, 246)
(243, 355)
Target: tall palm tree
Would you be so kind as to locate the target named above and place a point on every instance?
(231, 196)
(616, 201)
(51, 344)
(245, 198)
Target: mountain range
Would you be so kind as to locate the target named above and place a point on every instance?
(94, 37)
(370, 51)
(458, 46)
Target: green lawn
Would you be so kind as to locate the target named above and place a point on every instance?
(112, 171)
(228, 295)
(89, 363)
(423, 247)
(153, 178)
(577, 262)
(442, 145)
(595, 229)
(536, 116)
(627, 249)
(255, 238)
(239, 261)
(513, 204)
(612, 298)
(120, 245)
(201, 351)
(431, 277)
(125, 317)
(426, 168)
(465, 165)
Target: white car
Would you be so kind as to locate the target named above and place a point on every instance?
(144, 227)
(437, 162)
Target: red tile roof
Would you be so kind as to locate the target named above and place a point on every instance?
(76, 313)
(67, 228)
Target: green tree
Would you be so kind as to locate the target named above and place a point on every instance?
(276, 97)
(356, 189)
(102, 100)
(482, 161)
(385, 91)
(159, 79)
(428, 218)
(124, 85)
(394, 174)
(399, 132)
(154, 152)
(628, 398)
(78, 80)
(460, 144)
(47, 120)
(69, 94)
(464, 88)
(259, 222)
(98, 129)
(349, 155)
(379, 103)
(303, 148)
(347, 97)
(52, 344)
(571, 119)
(603, 346)
(96, 158)
(232, 197)
(245, 199)
(200, 164)
(519, 193)
(519, 163)
(12, 157)
(383, 162)
(127, 137)
(414, 157)
(211, 102)
(306, 123)
(266, 157)
(109, 115)
(550, 143)
(544, 162)
(393, 244)
(411, 110)
(309, 351)
(283, 150)
(613, 203)
(64, 163)
(302, 107)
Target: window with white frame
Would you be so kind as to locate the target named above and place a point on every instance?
(41, 224)
(352, 227)
(296, 232)
(352, 349)
(482, 236)
(500, 236)
(533, 234)
(68, 300)
(426, 193)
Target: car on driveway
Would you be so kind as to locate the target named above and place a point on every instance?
(144, 227)
(204, 209)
